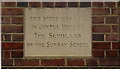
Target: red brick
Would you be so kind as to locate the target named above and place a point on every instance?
(72, 4)
(13, 68)
(96, 68)
(109, 4)
(29, 68)
(12, 46)
(2, 54)
(22, 4)
(48, 4)
(17, 20)
(12, 11)
(5, 20)
(111, 53)
(85, 4)
(114, 11)
(116, 45)
(12, 29)
(118, 10)
(97, 20)
(101, 45)
(119, 20)
(53, 62)
(4, 68)
(111, 62)
(97, 37)
(17, 37)
(77, 68)
(98, 53)
(75, 63)
(100, 11)
(101, 28)
(34, 4)
(9, 4)
(60, 4)
(111, 20)
(17, 54)
(91, 62)
(114, 28)
(110, 68)
(67, 68)
(2, 4)
(6, 54)
(2, 37)
(119, 54)
(7, 62)
(7, 37)
(26, 62)
(111, 37)
(97, 4)
(52, 68)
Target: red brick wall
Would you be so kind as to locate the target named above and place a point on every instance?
(105, 44)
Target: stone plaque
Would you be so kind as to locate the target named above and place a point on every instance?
(57, 32)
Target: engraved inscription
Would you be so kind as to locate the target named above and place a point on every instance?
(57, 32)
